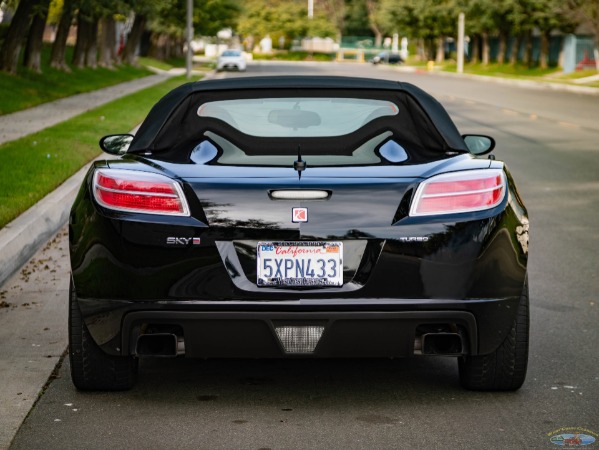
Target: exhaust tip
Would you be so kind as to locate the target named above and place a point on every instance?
(445, 344)
(157, 345)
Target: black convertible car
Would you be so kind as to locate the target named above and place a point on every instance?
(286, 217)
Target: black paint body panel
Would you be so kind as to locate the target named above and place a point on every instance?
(132, 271)
(470, 262)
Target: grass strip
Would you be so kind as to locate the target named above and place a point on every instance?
(35, 165)
(28, 88)
(159, 64)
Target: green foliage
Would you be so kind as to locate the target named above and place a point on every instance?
(209, 16)
(287, 18)
(54, 12)
(35, 165)
(425, 19)
(356, 19)
(162, 65)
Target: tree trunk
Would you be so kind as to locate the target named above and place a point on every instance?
(134, 38)
(544, 53)
(83, 33)
(91, 50)
(502, 47)
(156, 48)
(107, 42)
(528, 49)
(431, 49)
(378, 39)
(371, 6)
(32, 59)
(15, 36)
(421, 50)
(440, 53)
(57, 58)
(486, 49)
(515, 49)
(475, 49)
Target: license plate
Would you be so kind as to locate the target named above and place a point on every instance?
(300, 263)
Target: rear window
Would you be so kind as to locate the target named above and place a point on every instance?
(298, 117)
(231, 53)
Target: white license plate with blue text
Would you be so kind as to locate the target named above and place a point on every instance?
(300, 263)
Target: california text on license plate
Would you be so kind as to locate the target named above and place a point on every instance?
(300, 263)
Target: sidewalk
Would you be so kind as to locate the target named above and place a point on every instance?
(21, 123)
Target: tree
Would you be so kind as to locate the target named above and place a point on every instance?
(57, 56)
(107, 11)
(129, 52)
(372, 6)
(107, 50)
(283, 18)
(356, 18)
(481, 24)
(144, 11)
(86, 25)
(335, 10)
(429, 21)
(15, 36)
(33, 49)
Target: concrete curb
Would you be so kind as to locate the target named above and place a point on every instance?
(21, 238)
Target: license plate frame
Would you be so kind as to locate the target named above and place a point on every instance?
(313, 264)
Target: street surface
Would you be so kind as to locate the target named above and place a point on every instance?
(550, 141)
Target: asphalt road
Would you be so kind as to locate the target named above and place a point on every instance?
(550, 141)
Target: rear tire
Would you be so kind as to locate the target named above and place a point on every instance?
(505, 368)
(91, 368)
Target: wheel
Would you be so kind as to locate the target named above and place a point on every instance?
(504, 369)
(91, 368)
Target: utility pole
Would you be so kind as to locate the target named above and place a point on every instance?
(189, 34)
(310, 9)
(460, 50)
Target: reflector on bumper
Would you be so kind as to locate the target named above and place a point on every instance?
(299, 339)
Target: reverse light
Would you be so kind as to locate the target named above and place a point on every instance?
(135, 191)
(459, 192)
(299, 339)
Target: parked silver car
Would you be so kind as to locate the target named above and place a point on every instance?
(231, 60)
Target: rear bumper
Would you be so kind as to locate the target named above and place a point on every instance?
(352, 327)
(253, 334)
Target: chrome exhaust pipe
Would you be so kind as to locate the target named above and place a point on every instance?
(157, 345)
(444, 344)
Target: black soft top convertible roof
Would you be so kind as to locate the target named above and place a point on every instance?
(165, 124)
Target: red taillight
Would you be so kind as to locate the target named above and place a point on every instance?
(459, 192)
(134, 191)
